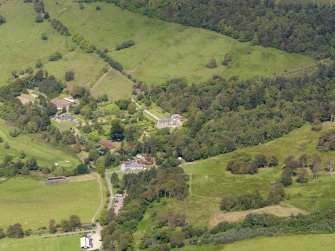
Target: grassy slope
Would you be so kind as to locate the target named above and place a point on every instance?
(69, 243)
(45, 154)
(209, 181)
(32, 203)
(21, 46)
(114, 85)
(310, 242)
(163, 50)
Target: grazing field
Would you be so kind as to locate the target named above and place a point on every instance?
(310, 242)
(164, 50)
(21, 46)
(32, 203)
(68, 243)
(210, 182)
(33, 146)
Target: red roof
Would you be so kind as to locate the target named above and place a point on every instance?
(107, 144)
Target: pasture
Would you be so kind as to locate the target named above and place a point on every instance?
(68, 243)
(33, 146)
(21, 46)
(309, 242)
(32, 203)
(164, 50)
(210, 182)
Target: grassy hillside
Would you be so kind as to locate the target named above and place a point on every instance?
(33, 146)
(310, 242)
(210, 182)
(32, 203)
(68, 243)
(163, 50)
(21, 46)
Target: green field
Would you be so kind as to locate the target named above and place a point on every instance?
(69, 243)
(210, 182)
(114, 85)
(32, 203)
(163, 50)
(21, 46)
(33, 146)
(310, 242)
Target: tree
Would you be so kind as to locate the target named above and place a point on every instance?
(115, 180)
(2, 233)
(15, 231)
(82, 169)
(131, 108)
(66, 226)
(316, 166)
(316, 125)
(52, 226)
(117, 130)
(330, 166)
(302, 176)
(75, 221)
(303, 160)
(2, 20)
(69, 76)
(100, 165)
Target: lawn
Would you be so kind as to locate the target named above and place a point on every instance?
(21, 46)
(68, 243)
(164, 50)
(33, 146)
(310, 242)
(32, 203)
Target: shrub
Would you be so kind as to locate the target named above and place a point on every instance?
(69, 76)
(126, 44)
(316, 125)
(44, 37)
(55, 56)
(212, 64)
(39, 18)
(2, 233)
(6, 146)
(14, 132)
(2, 20)
(98, 8)
(15, 231)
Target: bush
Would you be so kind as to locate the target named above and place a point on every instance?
(15, 231)
(316, 125)
(6, 146)
(69, 76)
(212, 64)
(98, 8)
(2, 233)
(126, 44)
(55, 56)
(14, 132)
(39, 18)
(44, 37)
(2, 20)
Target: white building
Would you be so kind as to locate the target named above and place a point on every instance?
(85, 243)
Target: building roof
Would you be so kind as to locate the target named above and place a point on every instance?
(60, 103)
(26, 99)
(64, 117)
(107, 144)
